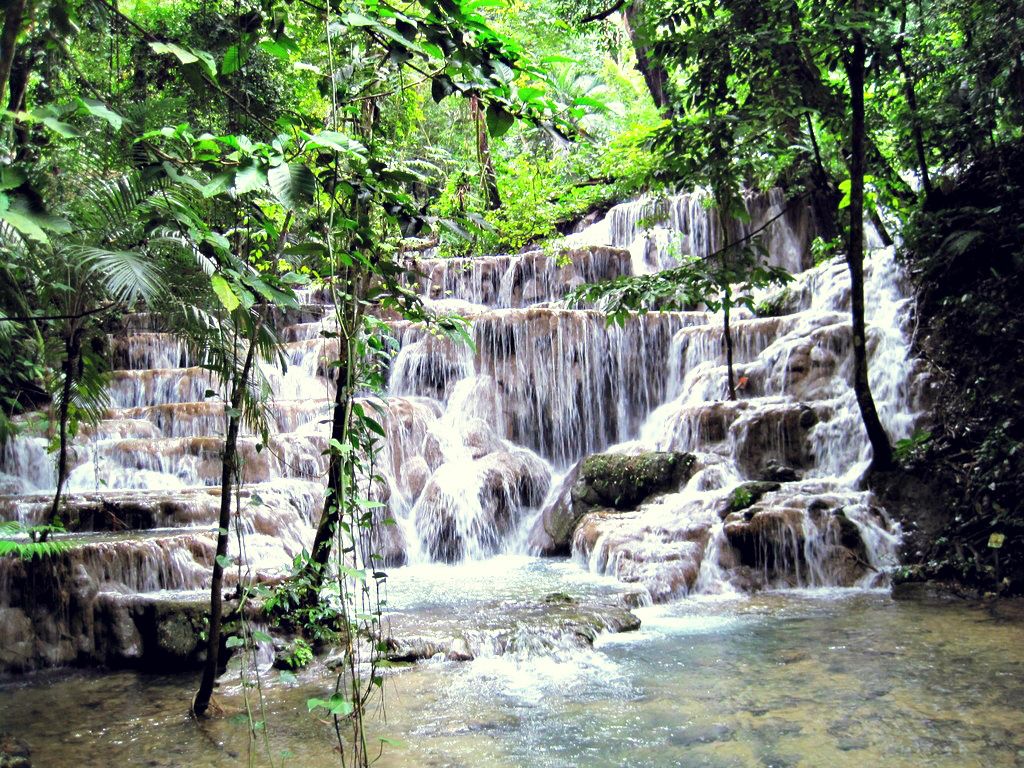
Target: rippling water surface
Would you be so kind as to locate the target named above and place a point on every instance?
(817, 678)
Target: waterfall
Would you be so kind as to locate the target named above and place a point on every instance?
(481, 438)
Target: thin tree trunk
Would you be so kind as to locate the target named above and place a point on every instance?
(915, 115)
(338, 463)
(321, 552)
(880, 446)
(483, 151)
(14, 14)
(201, 702)
(73, 352)
(824, 197)
(728, 342)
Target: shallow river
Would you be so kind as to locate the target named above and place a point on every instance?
(821, 678)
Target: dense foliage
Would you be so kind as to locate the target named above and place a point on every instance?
(208, 161)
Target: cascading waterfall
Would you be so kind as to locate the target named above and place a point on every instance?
(480, 439)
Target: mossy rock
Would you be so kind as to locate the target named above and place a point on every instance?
(610, 481)
(622, 482)
(748, 494)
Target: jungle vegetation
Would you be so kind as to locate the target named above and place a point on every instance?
(207, 161)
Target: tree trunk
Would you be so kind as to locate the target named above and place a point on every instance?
(334, 501)
(824, 199)
(492, 196)
(915, 115)
(728, 342)
(880, 447)
(73, 352)
(229, 464)
(654, 73)
(14, 14)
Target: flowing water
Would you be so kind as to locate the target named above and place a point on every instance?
(482, 445)
(805, 678)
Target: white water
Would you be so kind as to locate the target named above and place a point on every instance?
(479, 439)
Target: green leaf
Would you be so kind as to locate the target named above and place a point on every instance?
(338, 141)
(26, 224)
(10, 178)
(225, 295)
(358, 20)
(59, 127)
(234, 642)
(234, 58)
(276, 49)
(188, 56)
(224, 561)
(499, 120)
(219, 183)
(261, 637)
(249, 178)
(101, 110)
(293, 184)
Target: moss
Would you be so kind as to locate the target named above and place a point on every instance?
(748, 494)
(622, 482)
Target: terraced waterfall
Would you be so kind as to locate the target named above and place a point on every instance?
(485, 446)
(598, 559)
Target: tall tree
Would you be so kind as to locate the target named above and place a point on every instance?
(854, 63)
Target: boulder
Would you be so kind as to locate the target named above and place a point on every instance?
(746, 495)
(779, 473)
(606, 481)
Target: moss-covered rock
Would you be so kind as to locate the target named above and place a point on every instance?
(618, 481)
(748, 494)
(610, 481)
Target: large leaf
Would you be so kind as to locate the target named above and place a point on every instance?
(293, 184)
(99, 109)
(499, 120)
(249, 178)
(224, 293)
(338, 141)
(188, 56)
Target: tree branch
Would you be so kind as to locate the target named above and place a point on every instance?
(601, 15)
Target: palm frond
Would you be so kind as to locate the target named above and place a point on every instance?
(127, 275)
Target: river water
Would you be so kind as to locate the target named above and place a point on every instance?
(796, 678)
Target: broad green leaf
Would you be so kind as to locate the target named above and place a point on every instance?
(224, 561)
(99, 109)
(337, 141)
(188, 56)
(358, 20)
(293, 184)
(225, 295)
(10, 178)
(499, 120)
(234, 642)
(219, 183)
(59, 127)
(234, 58)
(249, 178)
(26, 224)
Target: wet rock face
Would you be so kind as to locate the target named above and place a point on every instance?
(606, 481)
(138, 631)
(621, 482)
(470, 518)
(785, 541)
(556, 621)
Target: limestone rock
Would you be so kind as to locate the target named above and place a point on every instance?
(608, 481)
